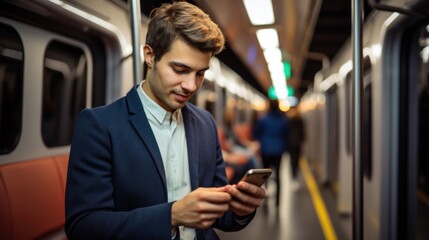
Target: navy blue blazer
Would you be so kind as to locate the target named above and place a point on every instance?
(116, 187)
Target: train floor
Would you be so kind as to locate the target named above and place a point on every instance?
(296, 217)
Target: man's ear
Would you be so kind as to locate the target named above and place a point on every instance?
(149, 56)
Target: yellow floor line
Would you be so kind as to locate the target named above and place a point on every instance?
(318, 202)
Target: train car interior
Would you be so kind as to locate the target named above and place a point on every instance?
(364, 165)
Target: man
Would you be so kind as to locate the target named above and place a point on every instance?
(272, 131)
(296, 141)
(149, 165)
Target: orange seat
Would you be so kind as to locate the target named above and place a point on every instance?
(61, 162)
(32, 198)
(229, 172)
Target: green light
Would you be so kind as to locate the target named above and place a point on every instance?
(287, 69)
(290, 91)
(272, 93)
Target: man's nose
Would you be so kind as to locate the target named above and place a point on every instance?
(190, 83)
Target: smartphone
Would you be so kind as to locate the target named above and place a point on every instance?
(257, 176)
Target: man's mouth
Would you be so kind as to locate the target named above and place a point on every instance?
(181, 97)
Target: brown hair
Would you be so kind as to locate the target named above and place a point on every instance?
(185, 21)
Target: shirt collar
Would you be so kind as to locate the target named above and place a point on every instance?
(159, 113)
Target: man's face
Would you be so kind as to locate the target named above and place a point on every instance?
(177, 76)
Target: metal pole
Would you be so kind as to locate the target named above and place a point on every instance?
(357, 73)
(135, 33)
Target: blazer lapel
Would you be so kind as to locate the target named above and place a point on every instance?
(141, 124)
(192, 143)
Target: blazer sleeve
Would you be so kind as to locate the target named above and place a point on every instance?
(90, 207)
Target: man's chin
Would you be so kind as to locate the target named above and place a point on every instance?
(176, 105)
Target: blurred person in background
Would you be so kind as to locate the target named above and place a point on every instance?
(296, 141)
(272, 132)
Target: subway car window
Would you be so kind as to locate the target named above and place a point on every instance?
(64, 91)
(11, 88)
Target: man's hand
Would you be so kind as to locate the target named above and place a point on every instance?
(246, 198)
(200, 208)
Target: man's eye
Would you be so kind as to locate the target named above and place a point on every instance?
(179, 71)
(200, 73)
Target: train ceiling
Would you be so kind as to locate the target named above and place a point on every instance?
(310, 34)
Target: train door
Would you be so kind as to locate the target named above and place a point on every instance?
(371, 191)
(422, 138)
(413, 161)
(333, 137)
(345, 162)
(405, 208)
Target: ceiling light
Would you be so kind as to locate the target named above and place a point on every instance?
(276, 67)
(281, 92)
(278, 79)
(273, 55)
(268, 38)
(260, 11)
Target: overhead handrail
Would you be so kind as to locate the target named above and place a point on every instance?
(383, 7)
